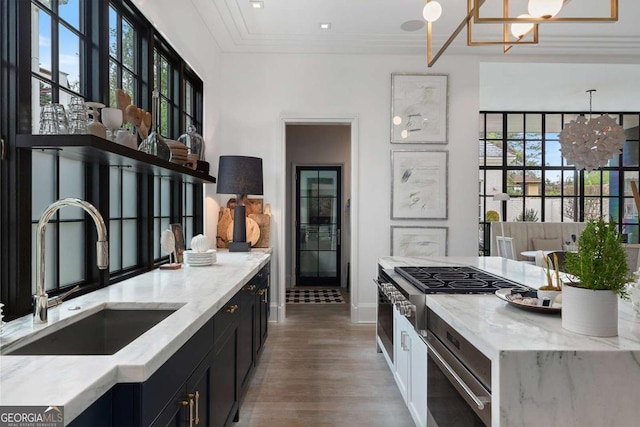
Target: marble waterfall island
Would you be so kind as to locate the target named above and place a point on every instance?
(542, 374)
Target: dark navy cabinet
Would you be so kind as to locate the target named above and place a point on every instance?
(203, 383)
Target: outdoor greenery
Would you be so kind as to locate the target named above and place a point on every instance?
(529, 215)
(601, 261)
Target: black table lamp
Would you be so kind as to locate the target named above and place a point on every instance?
(239, 175)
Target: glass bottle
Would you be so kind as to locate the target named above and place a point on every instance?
(194, 141)
(154, 143)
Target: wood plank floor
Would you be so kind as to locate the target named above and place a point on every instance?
(319, 369)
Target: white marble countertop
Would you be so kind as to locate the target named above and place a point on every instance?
(541, 374)
(494, 326)
(77, 381)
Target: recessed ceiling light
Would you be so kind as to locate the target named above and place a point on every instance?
(257, 4)
(325, 25)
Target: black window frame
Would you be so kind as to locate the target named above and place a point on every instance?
(616, 170)
(16, 170)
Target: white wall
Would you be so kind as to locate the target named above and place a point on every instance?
(559, 87)
(259, 89)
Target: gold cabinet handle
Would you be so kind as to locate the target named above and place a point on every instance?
(197, 396)
(261, 291)
(250, 288)
(3, 152)
(190, 412)
(183, 403)
(231, 309)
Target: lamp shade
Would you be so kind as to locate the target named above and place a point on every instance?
(239, 175)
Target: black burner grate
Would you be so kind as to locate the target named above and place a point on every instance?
(454, 280)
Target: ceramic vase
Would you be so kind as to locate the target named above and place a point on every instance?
(589, 312)
(550, 295)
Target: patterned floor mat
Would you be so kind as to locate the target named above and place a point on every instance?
(314, 296)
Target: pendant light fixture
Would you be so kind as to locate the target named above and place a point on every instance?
(517, 30)
(590, 144)
(544, 9)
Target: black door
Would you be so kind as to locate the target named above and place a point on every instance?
(318, 208)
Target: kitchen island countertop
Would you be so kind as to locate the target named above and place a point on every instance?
(542, 374)
(75, 382)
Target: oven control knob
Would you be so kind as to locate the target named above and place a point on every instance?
(406, 308)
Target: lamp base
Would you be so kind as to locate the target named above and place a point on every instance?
(239, 247)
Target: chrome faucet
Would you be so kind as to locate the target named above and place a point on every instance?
(41, 300)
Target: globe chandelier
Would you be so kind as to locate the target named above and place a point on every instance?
(590, 144)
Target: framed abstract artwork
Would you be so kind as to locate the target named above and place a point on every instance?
(418, 241)
(418, 108)
(418, 184)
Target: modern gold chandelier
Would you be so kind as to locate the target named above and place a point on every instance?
(516, 30)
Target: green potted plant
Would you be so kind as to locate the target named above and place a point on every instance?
(597, 277)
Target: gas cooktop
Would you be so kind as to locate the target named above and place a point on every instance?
(454, 280)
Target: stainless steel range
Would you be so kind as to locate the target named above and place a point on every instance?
(409, 286)
(458, 375)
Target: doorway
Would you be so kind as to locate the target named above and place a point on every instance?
(318, 225)
(316, 143)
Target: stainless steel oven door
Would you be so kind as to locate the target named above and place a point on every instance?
(454, 396)
(384, 328)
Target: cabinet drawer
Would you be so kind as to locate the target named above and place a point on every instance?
(227, 316)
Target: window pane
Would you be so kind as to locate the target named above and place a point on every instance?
(69, 10)
(42, 53)
(113, 32)
(128, 46)
(188, 109)
(592, 208)
(157, 185)
(494, 126)
(115, 183)
(515, 182)
(630, 151)
(516, 152)
(552, 154)
(164, 197)
(533, 153)
(113, 82)
(164, 77)
(188, 231)
(129, 243)
(592, 183)
(129, 85)
(129, 195)
(552, 183)
(552, 209)
(115, 246)
(72, 252)
(69, 59)
(188, 208)
(43, 188)
(71, 185)
(552, 126)
(157, 231)
(534, 126)
(515, 125)
(164, 117)
(570, 209)
(532, 209)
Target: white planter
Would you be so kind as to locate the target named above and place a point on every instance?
(590, 312)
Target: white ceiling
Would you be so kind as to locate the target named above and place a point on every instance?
(374, 26)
